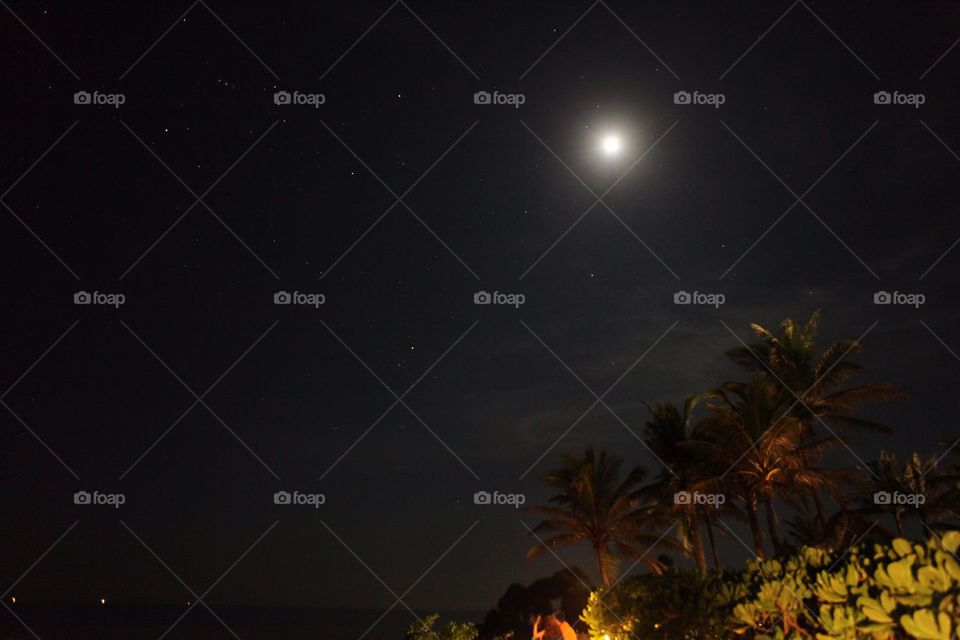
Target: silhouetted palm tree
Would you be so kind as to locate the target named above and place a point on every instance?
(596, 506)
(911, 489)
(666, 434)
(756, 443)
(815, 389)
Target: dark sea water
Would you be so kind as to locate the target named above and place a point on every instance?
(132, 622)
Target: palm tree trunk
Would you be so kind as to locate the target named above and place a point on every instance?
(755, 529)
(694, 523)
(772, 524)
(605, 578)
(713, 542)
(821, 510)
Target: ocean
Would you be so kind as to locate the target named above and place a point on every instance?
(150, 622)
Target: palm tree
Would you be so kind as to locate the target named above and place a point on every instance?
(666, 435)
(891, 477)
(815, 388)
(595, 505)
(756, 443)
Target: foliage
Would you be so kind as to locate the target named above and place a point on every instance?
(597, 506)
(872, 592)
(671, 606)
(423, 630)
(566, 590)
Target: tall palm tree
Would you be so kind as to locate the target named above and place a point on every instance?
(816, 387)
(915, 476)
(666, 434)
(755, 442)
(596, 506)
(790, 355)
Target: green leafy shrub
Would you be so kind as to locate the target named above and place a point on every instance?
(423, 630)
(672, 606)
(881, 592)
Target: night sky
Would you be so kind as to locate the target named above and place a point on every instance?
(398, 199)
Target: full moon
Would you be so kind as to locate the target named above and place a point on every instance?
(611, 145)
